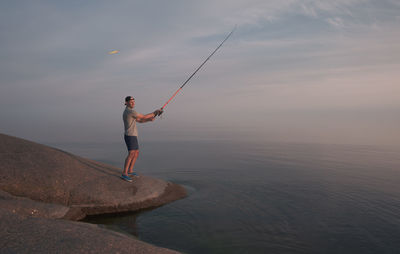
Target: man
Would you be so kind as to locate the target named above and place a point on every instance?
(130, 117)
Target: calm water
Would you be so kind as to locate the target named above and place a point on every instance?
(266, 198)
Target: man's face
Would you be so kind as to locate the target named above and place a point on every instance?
(130, 103)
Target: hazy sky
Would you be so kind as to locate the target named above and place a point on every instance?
(293, 71)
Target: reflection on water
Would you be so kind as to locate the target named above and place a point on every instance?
(269, 198)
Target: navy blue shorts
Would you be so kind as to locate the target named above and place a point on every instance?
(131, 142)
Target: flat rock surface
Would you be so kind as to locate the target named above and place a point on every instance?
(27, 207)
(50, 175)
(21, 234)
(42, 189)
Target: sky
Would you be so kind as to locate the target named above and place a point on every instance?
(309, 71)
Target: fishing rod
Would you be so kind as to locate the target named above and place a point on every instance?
(184, 83)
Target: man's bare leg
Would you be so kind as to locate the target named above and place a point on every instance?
(128, 161)
(133, 161)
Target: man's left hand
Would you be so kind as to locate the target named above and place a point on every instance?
(158, 112)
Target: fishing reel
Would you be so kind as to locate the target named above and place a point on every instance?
(158, 112)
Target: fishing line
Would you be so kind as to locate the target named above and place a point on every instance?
(184, 83)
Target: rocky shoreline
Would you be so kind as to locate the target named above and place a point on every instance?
(44, 191)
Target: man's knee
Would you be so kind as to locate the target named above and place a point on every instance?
(133, 153)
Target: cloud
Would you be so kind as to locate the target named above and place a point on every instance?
(336, 22)
(287, 56)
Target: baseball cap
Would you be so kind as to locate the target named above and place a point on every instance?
(128, 98)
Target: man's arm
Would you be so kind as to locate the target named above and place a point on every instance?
(140, 118)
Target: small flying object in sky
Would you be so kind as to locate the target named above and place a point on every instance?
(112, 52)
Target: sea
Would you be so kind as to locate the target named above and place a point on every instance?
(263, 197)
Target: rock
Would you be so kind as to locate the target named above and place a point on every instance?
(20, 234)
(27, 207)
(50, 175)
(42, 189)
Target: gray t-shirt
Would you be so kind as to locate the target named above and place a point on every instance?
(129, 117)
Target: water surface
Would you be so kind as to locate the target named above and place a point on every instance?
(265, 197)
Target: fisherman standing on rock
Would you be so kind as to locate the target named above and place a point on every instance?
(130, 117)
